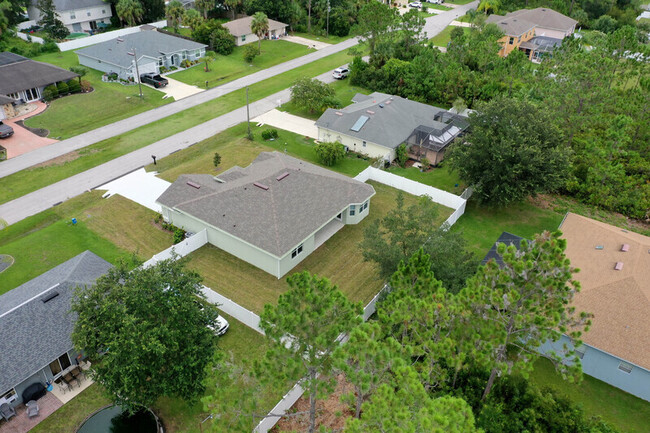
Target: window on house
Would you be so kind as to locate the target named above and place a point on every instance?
(352, 209)
(364, 144)
(580, 351)
(624, 366)
(160, 61)
(88, 13)
(8, 395)
(243, 38)
(297, 251)
(103, 11)
(512, 41)
(73, 16)
(365, 205)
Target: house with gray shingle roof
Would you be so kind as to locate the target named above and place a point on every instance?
(376, 124)
(36, 324)
(23, 80)
(241, 30)
(153, 50)
(77, 15)
(271, 214)
(536, 32)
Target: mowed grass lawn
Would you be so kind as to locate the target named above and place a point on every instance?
(625, 411)
(344, 92)
(26, 181)
(443, 38)
(112, 228)
(227, 68)
(236, 149)
(108, 103)
(339, 259)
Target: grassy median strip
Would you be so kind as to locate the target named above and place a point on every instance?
(26, 181)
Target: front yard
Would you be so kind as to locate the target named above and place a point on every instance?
(227, 68)
(444, 37)
(108, 103)
(339, 259)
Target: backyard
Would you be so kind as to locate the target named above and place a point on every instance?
(339, 259)
(107, 103)
(227, 68)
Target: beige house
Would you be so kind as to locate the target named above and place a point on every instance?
(536, 32)
(241, 30)
(614, 277)
(271, 214)
(376, 124)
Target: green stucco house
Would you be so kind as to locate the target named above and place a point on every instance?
(271, 214)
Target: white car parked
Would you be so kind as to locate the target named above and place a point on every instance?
(417, 5)
(340, 73)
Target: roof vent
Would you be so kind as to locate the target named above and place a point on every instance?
(338, 113)
(261, 186)
(381, 105)
(282, 176)
(193, 184)
(370, 112)
(625, 248)
(388, 102)
(600, 247)
(49, 297)
(619, 266)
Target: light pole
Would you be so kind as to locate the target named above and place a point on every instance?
(137, 71)
(327, 29)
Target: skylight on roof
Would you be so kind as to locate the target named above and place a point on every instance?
(359, 123)
(261, 186)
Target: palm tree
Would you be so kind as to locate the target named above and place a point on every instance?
(192, 18)
(129, 11)
(175, 12)
(489, 6)
(232, 5)
(205, 6)
(259, 26)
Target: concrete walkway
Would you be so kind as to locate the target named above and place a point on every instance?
(318, 45)
(46, 197)
(288, 122)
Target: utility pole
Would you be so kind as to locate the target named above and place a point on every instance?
(248, 117)
(327, 29)
(137, 70)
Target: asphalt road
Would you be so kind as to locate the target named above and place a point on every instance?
(44, 198)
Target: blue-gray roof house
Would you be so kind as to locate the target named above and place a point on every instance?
(36, 324)
(153, 49)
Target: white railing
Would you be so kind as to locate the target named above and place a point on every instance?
(103, 37)
(181, 249)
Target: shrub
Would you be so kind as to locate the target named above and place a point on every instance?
(216, 160)
(86, 86)
(425, 164)
(179, 235)
(269, 134)
(330, 153)
(400, 155)
(62, 88)
(50, 92)
(74, 86)
(250, 52)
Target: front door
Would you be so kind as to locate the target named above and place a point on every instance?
(60, 364)
(31, 94)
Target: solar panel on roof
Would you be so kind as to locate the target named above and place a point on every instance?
(359, 123)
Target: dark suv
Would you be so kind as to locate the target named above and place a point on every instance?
(6, 131)
(154, 79)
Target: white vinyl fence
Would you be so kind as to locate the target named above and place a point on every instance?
(457, 203)
(30, 38)
(181, 249)
(233, 309)
(103, 37)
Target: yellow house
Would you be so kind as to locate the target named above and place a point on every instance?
(536, 32)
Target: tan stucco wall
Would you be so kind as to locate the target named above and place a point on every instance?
(372, 150)
(507, 47)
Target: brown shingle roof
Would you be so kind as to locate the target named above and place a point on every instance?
(545, 17)
(28, 74)
(619, 300)
(511, 26)
(242, 26)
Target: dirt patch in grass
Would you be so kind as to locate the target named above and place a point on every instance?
(59, 160)
(330, 413)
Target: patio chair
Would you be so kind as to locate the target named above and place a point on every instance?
(63, 387)
(32, 408)
(7, 411)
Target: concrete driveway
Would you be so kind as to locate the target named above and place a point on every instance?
(289, 122)
(139, 186)
(304, 41)
(177, 90)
